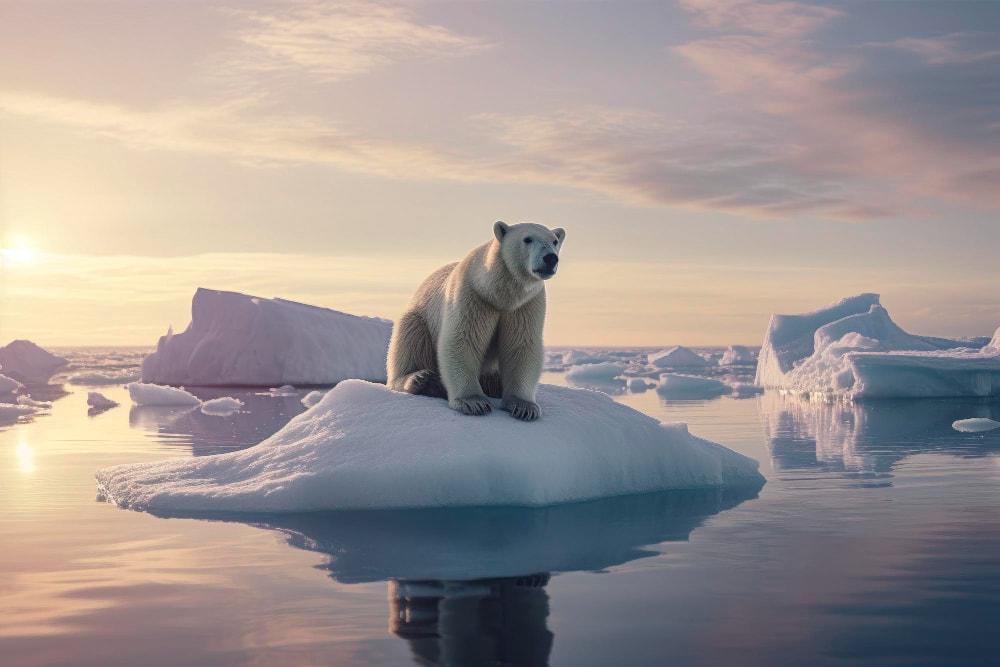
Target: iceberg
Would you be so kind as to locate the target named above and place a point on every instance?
(853, 348)
(99, 401)
(975, 425)
(154, 394)
(677, 357)
(222, 406)
(24, 361)
(675, 385)
(365, 446)
(240, 340)
(737, 355)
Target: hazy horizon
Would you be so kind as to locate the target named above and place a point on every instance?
(712, 161)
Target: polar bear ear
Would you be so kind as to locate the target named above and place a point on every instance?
(500, 229)
(560, 233)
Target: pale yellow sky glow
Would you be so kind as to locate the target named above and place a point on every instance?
(712, 161)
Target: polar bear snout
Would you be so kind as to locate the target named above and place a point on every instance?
(548, 268)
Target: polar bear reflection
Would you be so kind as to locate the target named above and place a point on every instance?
(468, 623)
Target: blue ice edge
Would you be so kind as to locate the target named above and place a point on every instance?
(365, 447)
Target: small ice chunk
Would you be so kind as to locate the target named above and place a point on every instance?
(222, 407)
(95, 378)
(100, 401)
(677, 357)
(312, 398)
(9, 385)
(29, 401)
(605, 371)
(975, 425)
(156, 394)
(284, 389)
(675, 385)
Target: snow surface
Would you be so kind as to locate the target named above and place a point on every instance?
(9, 385)
(675, 385)
(312, 398)
(853, 348)
(24, 361)
(605, 371)
(237, 339)
(677, 357)
(364, 446)
(100, 401)
(975, 425)
(737, 355)
(95, 379)
(222, 407)
(29, 401)
(154, 394)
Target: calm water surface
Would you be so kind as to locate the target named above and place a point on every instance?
(876, 540)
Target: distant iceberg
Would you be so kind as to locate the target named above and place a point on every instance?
(24, 361)
(675, 385)
(853, 348)
(677, 357)
(237, 339)
(366, 447)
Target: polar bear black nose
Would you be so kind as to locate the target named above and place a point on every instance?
(550, 259)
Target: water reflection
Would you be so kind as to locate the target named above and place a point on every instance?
(869, 438)
(262, 415)
(481, 622)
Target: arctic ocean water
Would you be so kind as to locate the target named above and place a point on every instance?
(875, 541)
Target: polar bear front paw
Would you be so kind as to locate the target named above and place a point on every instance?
(522, 409)
(471, 405)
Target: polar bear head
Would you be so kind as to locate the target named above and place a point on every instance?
(530, 251)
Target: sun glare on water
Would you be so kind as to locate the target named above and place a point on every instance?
(18, 251)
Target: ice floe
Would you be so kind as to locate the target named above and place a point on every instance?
(676, 385)
(975, 425)
(100, 401)
(677, 357)
(364, 447)
(237, 339)
(26, 362)
(154, 394)
(222, 406)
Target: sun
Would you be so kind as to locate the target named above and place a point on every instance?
(18, 251)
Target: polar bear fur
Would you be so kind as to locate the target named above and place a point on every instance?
(474, 328)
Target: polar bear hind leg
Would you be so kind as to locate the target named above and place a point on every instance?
(412, 364)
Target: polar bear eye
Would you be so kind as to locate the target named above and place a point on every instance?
(527, 239)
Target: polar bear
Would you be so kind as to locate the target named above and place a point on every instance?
(474, 328)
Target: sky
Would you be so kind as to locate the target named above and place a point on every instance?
(712, 161)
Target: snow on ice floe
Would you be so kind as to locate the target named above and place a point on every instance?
(853, 348)
(99, 401)
(604, 371)
(154, 394)
(677, 357)
(365, 447)
(580, 357)
(312, 398)
(975, 425)
(30, 402)
(737, 355)
(676, 385)
(26, 362)
(94, 378)
(237, 339)
(9, 385)
(222, 407)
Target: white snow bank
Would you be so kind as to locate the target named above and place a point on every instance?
(677, 357)
(154, 394)
(94, 378)
(9, 385)
(312, 398)
(27, 362)
(236, 339)
(30, 402)
(737, 355)
(853, 348)
(675, 385)
(605, 371)
(222, 407)
(975, 425)
(365, 446)
(578, 357)
(99, 401)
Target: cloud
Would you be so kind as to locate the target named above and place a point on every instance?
(333, 41)
(949, 49)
